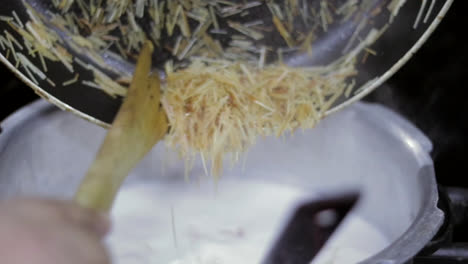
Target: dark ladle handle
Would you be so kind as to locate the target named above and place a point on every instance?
(309, 228)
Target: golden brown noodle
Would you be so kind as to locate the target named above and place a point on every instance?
(214, 110)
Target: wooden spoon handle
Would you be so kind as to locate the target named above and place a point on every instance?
(139, 125)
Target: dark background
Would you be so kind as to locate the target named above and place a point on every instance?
(431, 91)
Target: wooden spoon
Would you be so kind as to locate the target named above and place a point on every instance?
(138, 126)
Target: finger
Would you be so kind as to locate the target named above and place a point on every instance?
(82, 247)
(95, 222)
(90, 220)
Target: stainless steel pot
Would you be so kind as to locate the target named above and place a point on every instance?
(45, 152)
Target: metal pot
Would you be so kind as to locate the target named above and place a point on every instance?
(45, 152)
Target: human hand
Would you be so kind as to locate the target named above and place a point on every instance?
(37, 231)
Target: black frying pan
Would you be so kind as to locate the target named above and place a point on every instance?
(394, 47)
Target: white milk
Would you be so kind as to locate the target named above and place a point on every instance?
(232, 223)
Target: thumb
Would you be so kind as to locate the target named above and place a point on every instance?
(92, 221)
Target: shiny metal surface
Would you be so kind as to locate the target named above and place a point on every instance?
(395, 47)
(45, 152)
